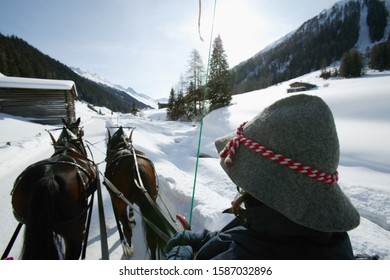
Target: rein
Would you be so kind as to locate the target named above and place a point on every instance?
(120, 195)
(12, 241)
(102, 222)
(203, 105)
(140, 185)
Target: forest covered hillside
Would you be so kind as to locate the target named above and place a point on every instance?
(316, 44)
(20, 59)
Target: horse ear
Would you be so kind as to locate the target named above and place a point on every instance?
(78, 121)
(52, 138)
(131, 134)
(109, 135)
(64, 121)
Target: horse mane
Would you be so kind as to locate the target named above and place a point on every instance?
(40, 240)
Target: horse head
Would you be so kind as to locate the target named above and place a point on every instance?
(117, 142)
(74, 127)
(69, 141)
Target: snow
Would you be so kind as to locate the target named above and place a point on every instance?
(32, 83)
(360, 107)
(100, 80)
(364, 40)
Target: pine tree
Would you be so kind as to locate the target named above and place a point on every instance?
(351, 64)
(195, 73)
(380, 56)
(180, 107)
(171, 114)
(376, 19)
(192, 99)
(134, 110)
(387, 54)
(219, 89)
(357, 63)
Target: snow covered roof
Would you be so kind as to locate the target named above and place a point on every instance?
(32, 83)
(44, 101)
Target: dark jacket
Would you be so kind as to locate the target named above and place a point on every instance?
(262, 233)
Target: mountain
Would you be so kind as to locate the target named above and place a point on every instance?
(104, 82)
(19, 59)
(317, 43)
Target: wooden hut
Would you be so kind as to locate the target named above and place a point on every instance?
(162, 105)
(40, 100)
(300, 86)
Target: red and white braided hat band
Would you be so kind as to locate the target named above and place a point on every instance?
(231, 147)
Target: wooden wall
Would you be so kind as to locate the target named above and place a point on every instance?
(42, 106)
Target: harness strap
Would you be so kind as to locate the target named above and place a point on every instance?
(74, 163)
(117, 159)
(85, 171)
(12, 241)
(141, 186)
(102, 223)
(120, 195)
(86, 234)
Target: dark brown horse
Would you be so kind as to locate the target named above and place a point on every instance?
(51, 198)
(133, 174)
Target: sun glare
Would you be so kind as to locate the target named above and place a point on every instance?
(238, 24)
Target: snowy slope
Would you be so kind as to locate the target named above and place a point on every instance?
(100, 80)
(360, 107)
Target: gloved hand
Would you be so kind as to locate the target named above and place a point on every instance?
(187, 237)
(180, 253)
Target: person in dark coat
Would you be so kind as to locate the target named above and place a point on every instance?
(284, 164)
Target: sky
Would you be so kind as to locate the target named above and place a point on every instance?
(146, 44)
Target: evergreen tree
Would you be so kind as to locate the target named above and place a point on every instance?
(219, 89)
(134, 110)
(387, 54)
(351, 64)
(171, 114)
(177, 102)
(380, 56)
(195, 73)
(180, 106)
(357, 63)
(192, 99)
(376, 19)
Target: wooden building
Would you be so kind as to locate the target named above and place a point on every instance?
(40, 100)
(162, 105)
(299, 86)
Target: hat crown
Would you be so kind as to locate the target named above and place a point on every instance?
(300, 127)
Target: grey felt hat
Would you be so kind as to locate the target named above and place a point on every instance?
(300, 127)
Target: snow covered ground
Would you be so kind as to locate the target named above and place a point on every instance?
(361, 109)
